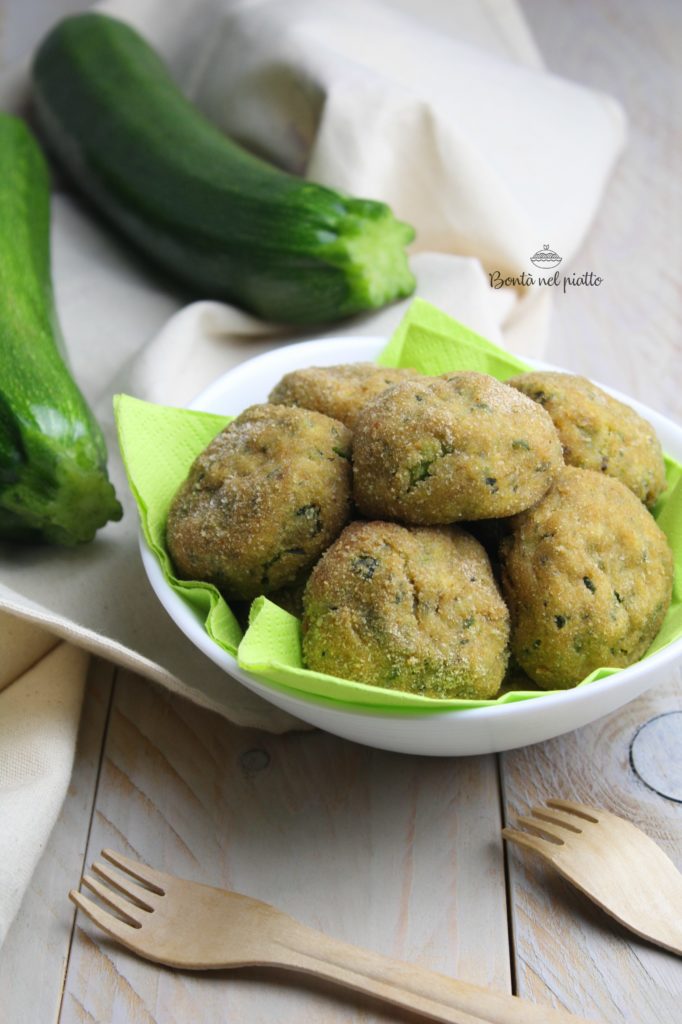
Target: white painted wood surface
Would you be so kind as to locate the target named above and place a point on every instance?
(626, 333)
(404, 855)
(565, 948)
(397, 854)
(35, 953)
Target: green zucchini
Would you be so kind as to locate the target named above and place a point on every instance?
(218, 218)
(53, 480)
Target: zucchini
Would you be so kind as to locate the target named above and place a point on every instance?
(218, 218)
(53, 480)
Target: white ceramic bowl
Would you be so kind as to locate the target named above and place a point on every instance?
(475, 731)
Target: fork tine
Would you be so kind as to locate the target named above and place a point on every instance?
(142, 872)
(525, 839)
(580, 810)
(103, 919)
(555, 833)
(557, 818)
(143, 898)
(112, 899)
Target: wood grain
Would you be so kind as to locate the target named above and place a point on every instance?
(397, 854)
(35, 952)
(191, 926)
(566, 948)
(656, 754)
(626, 333)
(403, 855)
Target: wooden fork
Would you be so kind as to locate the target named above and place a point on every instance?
(612, 862)
(184, 924)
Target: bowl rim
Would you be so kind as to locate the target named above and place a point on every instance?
(188, 622)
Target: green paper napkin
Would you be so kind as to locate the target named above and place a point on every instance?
(432, 342)
(160, 443)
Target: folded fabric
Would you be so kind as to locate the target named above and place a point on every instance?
(458, 141)
(159, 445)
(38, 726)
(111, 303)
(467, 163)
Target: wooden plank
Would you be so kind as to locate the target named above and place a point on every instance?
(626, 332)
(567, 949)
(398, 854)
(34, 955)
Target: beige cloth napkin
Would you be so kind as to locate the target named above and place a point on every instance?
(442, 109)
(39, 714)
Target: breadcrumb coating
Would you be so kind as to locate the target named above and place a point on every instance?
(587, 574)
(443, 449)
(598, 432)
(407, 608)
(337, 391)
(262, 501)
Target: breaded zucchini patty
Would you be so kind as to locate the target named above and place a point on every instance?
(262, 501)
(587, 574)
(407, 608)
(443, 449)
(337, 391)
(598, 432)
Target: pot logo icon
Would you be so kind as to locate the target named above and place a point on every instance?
(546, 258)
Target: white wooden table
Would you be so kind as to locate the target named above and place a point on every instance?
(399, 854)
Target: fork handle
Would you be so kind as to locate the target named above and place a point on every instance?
(433, 995)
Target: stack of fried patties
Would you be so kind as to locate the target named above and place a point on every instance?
(339, 497)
